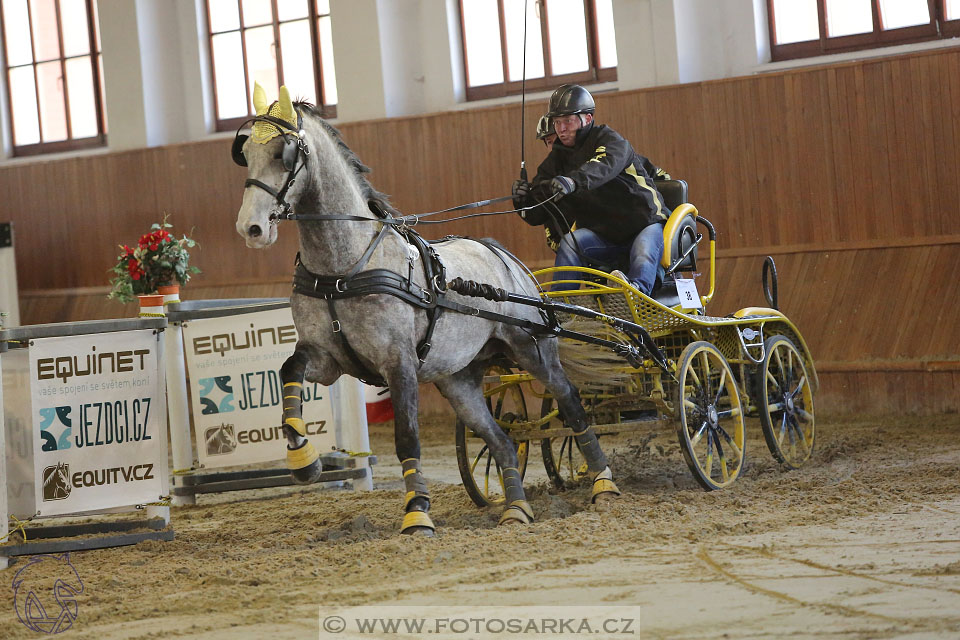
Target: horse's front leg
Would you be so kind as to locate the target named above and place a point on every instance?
(302, 458)
(405, 394)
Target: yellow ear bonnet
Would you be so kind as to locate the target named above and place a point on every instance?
(282, 109)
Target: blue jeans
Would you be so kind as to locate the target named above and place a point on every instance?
(644, 252)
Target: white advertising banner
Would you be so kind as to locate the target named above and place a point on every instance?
(99, 421)
(235, 390)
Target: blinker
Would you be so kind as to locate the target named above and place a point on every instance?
(237, 150)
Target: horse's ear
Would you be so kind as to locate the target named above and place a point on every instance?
(259, 99)
(286, 108)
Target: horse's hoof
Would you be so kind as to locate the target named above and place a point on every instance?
(304, 464)
(518, 512)
(417, 523)
(604, 489)
(422, 532)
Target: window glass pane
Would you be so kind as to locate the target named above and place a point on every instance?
(953, 9)
(17, 33)
(297, 54)
(228, 70)
(513, 15)
(53, 114)
(481, 25)
(76, 36)
(291, 9)
(606, 37)
(46, 42)
(323, 7)
(257, 12)
(83, 107)
(796, 21)
(328, 74)
(903, 13)
(23, 99)
(261, 59)
(847, 17)
(224, 15)
(568, 36)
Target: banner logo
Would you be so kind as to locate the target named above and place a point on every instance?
(220, 440)
(48, 430)
(56, 484)
(216, 395)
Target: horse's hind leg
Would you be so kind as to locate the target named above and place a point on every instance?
(302, 459)
(463, 391)
(404, 394)
(543, 363)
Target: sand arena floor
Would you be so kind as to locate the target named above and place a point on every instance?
(864, 542)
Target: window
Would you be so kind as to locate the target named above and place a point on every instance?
(273, 42)
(803, 28)
(567, 41)
(54, 71)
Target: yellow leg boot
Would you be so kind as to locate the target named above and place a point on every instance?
(304, 464)
(604, 487)
(517, 512)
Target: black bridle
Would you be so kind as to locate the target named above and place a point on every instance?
(294, 149)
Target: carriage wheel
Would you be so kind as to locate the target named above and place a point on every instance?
(479, 472)
(562, 459)
(710, 417)
(785, 403)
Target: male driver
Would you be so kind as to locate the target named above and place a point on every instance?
(601, 184)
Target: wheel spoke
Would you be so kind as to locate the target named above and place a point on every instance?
(803, 381)
(783, 430)
(724, 473)
(559, 460)
(730, 441)
(807, 417)
(699, 434)
(720, 387)
(776, 354)
(708, 466)
(706, 374)
(776, 406)
(773, 378)
(696, 378)
(803, 438)
(476, 460)
(732, 412)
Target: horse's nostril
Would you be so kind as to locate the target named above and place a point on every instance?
(255, 231)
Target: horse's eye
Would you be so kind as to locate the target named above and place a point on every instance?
(277, 156)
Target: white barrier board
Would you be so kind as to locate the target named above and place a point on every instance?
(98, 421)
(236, 397)
(18, 445)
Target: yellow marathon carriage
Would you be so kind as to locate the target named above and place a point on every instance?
(712, 372)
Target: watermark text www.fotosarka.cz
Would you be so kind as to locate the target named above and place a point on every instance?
(521, 621)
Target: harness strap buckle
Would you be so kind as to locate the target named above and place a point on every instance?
(336, 326)
(338, 283)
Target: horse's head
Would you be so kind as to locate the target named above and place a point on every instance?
(274, 154)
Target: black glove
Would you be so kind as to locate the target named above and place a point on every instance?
(561, 186)
(520, 190)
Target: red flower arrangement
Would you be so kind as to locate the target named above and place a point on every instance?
(158, 259)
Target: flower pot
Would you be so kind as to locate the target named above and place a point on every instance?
(151, 306)
(170, 293)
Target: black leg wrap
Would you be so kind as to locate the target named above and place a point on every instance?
(590, 448)
(417, 497)
(512, 486)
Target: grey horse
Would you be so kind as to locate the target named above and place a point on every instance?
(298, 162)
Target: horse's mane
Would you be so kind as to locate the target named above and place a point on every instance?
(378, 202)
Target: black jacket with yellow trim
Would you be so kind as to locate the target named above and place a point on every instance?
(615, 195)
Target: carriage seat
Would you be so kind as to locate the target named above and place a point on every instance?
(679, 235)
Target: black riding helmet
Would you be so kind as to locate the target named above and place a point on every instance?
(544, 127)
(572, 99)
